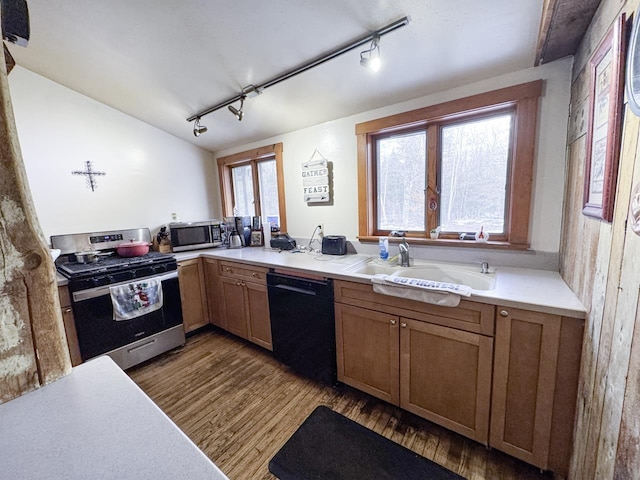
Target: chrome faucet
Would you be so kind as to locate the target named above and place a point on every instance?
(403, 249)
(484, 268)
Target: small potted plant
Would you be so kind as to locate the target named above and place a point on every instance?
(434, 233)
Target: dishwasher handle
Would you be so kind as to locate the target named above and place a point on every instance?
(294, 289)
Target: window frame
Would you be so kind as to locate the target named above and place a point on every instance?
(252, 157)
(522, 99)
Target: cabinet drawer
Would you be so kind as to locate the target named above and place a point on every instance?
(468, 316)
(244, 272)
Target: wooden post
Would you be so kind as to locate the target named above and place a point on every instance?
(33, 347)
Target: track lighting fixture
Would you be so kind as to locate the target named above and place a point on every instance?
(197, 128)
(369, 58)
(372, 58)
(238, 111)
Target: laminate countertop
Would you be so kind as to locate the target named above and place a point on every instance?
(95, 423)
(538, 290)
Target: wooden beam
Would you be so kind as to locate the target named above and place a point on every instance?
(8, 59)
(33, 348)
(563, 25)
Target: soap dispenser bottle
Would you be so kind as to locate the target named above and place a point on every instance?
(383, 243)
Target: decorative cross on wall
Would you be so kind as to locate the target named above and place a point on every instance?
(89, 175)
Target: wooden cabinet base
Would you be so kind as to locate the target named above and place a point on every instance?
(243, 303)
(193, 294)
(516, 392)
(537, 366)
(436, 372)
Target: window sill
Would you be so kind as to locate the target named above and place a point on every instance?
(442, 242)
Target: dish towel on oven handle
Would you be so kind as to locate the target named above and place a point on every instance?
(427, 291)
(136, 298)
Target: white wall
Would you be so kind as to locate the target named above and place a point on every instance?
(336, 141)
(149, 173)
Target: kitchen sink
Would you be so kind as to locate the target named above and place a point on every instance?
(372, 268)
(459, 274)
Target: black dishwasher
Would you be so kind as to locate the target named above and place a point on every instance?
(303, 325)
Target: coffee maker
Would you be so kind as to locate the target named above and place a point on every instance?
(238, 231)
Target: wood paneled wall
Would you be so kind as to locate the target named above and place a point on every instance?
(601, 263)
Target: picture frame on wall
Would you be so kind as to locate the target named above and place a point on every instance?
(606, 67)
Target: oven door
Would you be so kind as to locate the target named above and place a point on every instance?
(99, 333)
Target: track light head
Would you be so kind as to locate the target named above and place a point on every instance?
(370, 58)
(197, 128)
(238, 111)
(371, 63)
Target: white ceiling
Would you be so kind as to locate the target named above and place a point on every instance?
(162, 61)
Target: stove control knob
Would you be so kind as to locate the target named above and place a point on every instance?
(111, 279)
(95, 281)
(133, 274)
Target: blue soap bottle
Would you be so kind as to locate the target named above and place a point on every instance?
(383, 243)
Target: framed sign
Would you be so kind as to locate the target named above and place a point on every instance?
(316, 181)
(604, 127)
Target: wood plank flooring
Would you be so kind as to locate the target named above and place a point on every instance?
(239, 405)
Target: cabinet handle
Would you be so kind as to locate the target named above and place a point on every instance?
(504, 313)
(403, 325)
(67, 310)
(238, 284)
(254, 275)
(226, 269)
(393, 322)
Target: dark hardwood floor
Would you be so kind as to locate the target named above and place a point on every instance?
(239, 405)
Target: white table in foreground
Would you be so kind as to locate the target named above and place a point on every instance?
(95, 423)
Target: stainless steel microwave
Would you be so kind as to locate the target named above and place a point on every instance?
(194, 235)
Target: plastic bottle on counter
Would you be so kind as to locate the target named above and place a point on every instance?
(266, 228)
(383, 243)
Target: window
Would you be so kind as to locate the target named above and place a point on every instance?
(252, 183)
(401, 177)
(474, 165)
(460, 166)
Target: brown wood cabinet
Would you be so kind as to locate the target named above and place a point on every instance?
(536, 370)
(244, 302)
(368, 351)
(434, 370)
(445, 376)
(193, 294)
(212, 287)
(69, 325)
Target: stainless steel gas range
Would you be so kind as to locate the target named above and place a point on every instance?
(126, 307)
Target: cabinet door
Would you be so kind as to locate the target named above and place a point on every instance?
(258, 311)
(213, 293)
(192, 294)
(367, 348)
(445, 376)
(233, 306)
(69, 325)
(524, 383)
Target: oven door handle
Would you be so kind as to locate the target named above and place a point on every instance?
(102, 291)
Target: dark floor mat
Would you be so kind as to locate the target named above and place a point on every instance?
(329, 446)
